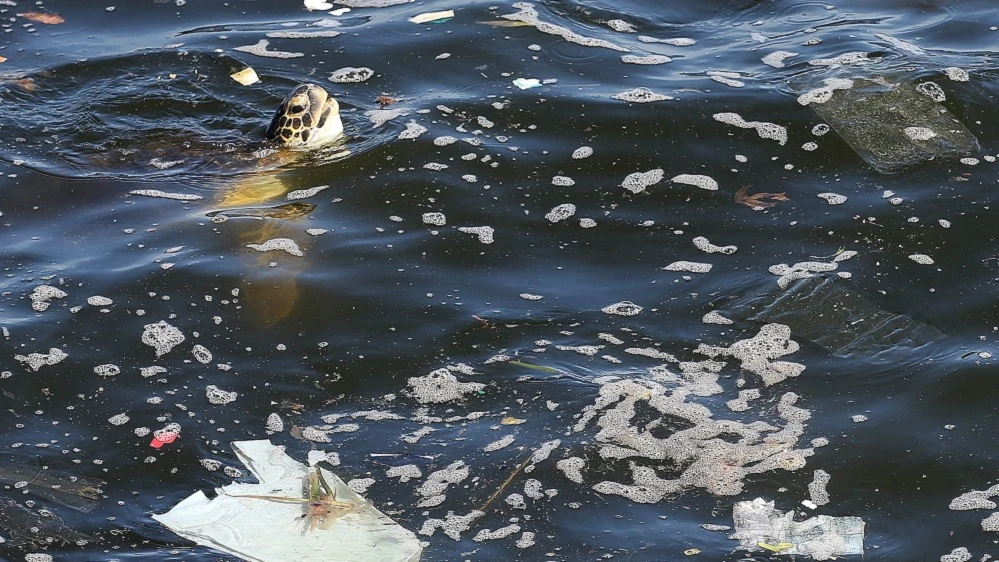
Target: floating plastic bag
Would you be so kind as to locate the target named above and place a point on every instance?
(265, 522)
(894, 124)
(761, 527)
(843, 322)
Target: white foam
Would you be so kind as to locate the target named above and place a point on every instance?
(697, 180)
(764, 129)
(561, 212)
(844, 59)
(919, 133)
(646, 60)
(413, 130)
(833, 198)
(623, 308)
(304, 193)
(218, 396)
(640, 95)
(676, 42)
(582, 152)
(485, 233)
(563, 181)
(621, 26)
(36, 360)
(529, 15)
(351, 75)
(440, 386)
(107, 370)
(285, 244)
(689, 267)
(638, 181)
(825, 93)
(957, 74)
(161, 336)
(165, 195)
(260, 49)
(435, 219)
(922, 259)
(702, 244)
(776, 58)
(932, 91)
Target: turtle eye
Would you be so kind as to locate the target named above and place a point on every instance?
(297, 109)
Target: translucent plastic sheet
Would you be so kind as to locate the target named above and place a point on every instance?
(823, 310)
(873, 117)
(759, 526)
(72, 491)
(269, 530)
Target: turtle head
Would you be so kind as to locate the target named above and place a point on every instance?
(308, 117)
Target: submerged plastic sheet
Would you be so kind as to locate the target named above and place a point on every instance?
(821, 537)
(264, 530)
(41, 529)
(842, 321)
(77, 492)
(873, 115)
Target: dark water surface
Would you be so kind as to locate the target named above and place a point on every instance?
(139, 97)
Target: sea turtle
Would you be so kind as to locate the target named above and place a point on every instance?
(308, 119)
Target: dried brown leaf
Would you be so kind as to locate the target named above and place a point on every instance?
(42, 17)
(385, 100)
(760, 200)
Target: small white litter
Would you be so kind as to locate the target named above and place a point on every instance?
(240, 522)
(432, 16)
(758, 525)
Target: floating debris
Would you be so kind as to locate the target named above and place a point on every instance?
(246, 77)
(265, 521)
(260, 49)
(432, 16)
(759, 526)
(893, 126)
(527, 83)
(758, 201)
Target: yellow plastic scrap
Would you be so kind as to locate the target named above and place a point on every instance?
(691, 551)
(246, 76)
(775, 547)
(510, 420)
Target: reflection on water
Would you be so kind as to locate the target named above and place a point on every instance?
(432, 303)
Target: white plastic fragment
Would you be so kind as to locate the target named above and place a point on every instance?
(261, 529)
(260, 49)
(285, 244)
(527, 83)
(427, 17)
(697, 180)
(320, 5)
(350, 74)
(161, 336)
(246, 77)
(821, 537)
